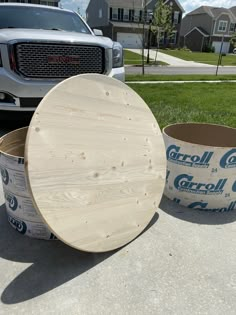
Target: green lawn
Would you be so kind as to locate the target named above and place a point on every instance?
(185, 77)
(131, 58)
(190, 102)
(209, 58)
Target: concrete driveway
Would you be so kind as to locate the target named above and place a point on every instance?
(184, 263)
(172, 61)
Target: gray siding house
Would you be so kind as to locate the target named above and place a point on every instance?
(121, 20)
(53, 3)
(206, 26)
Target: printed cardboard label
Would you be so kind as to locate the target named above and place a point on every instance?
(12, 162)
(176, 154)
(184, 182)
(31, 229)
(229, 159)
(14, 181)
(199, 205)
(21, 207)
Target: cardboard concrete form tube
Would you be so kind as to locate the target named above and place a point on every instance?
(21, 212)
(201, 166)
(31, 229)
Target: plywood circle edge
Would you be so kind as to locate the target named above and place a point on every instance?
(161, 148)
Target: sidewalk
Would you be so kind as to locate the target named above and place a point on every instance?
(172, 61)
(179, 82)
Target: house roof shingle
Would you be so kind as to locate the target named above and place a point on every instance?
(218, 11)
(200, 10)
(178, 4)
(203, 31)
(214, 12)
(233, 10)
(199, 29)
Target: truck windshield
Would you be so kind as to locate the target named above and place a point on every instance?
(41, 18)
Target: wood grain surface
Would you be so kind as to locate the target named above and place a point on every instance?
(95, 162)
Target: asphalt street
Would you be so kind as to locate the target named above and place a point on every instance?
(170, 70)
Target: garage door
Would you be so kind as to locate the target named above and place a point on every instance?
(225, 48)
(130, 40)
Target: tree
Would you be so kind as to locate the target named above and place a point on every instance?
(162, 25)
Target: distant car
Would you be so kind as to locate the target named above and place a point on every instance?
(234, 50)
(41, 46)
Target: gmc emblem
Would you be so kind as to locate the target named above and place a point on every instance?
(73, 60)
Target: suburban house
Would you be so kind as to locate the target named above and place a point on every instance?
(53, 3)
(122, 20)
(207, 27)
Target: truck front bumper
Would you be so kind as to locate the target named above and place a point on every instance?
(20, 94)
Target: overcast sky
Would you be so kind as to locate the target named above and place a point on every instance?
(188, 5)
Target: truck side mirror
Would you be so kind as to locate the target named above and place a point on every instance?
(97, 32)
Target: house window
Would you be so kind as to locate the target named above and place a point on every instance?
(100, 13)
(136, 15)
(148, 15)
(120, 14)
(176, 17)
(140, 15)
(131, 15)
(222, 26)
(115, 14)
(126, 15)
(232, 27)
(172, 39)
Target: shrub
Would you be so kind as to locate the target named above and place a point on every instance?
(185, 48)
(207, 48)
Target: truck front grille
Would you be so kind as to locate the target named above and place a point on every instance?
(34, 60)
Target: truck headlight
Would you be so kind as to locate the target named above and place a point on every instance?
(117, 52)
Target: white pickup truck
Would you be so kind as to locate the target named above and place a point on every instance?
(41, 46)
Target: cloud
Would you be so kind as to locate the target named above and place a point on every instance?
(193, 4)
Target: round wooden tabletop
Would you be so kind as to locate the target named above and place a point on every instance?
(95, 162)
